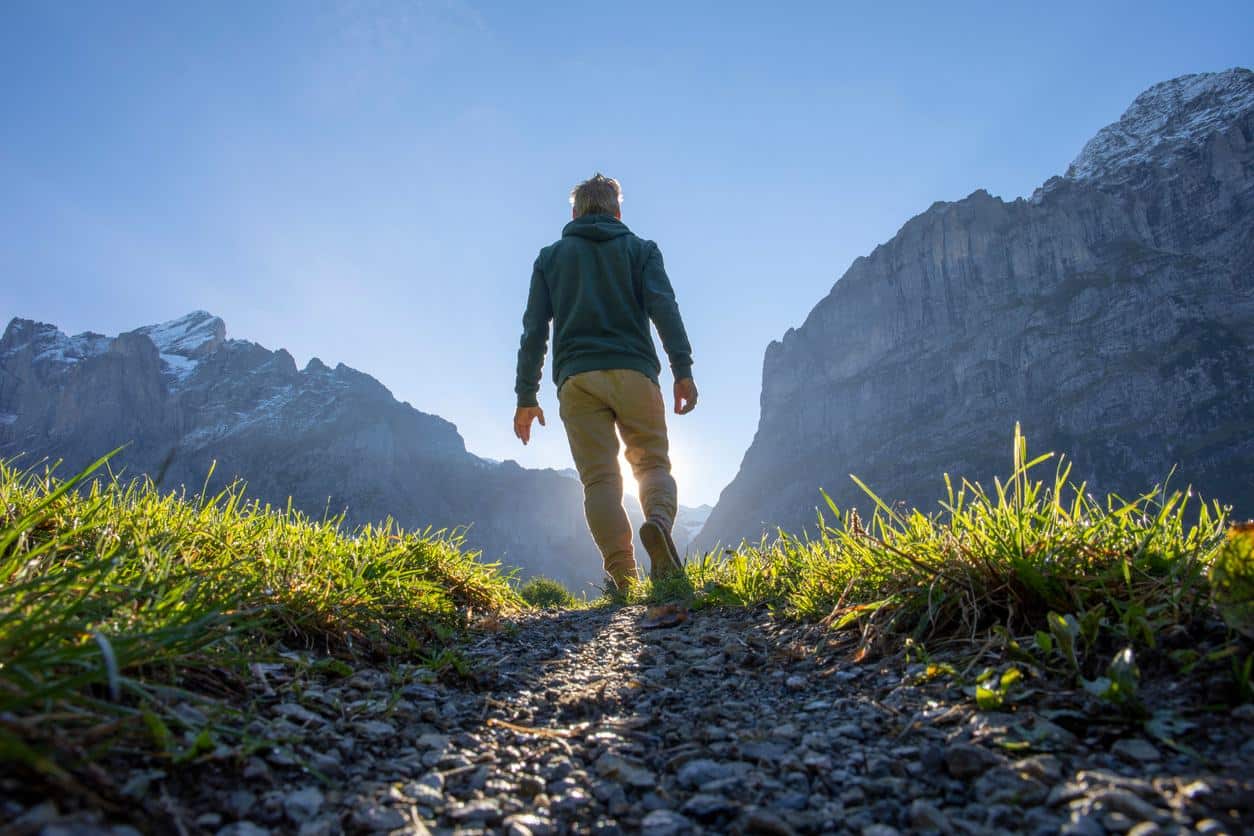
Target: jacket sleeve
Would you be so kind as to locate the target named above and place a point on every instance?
(659, 303)
(535, 339)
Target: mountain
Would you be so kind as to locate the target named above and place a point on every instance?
(1112, 313)
(333, 439)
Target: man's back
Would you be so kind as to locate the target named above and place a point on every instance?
(601, 285)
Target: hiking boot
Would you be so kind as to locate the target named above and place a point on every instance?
(663, 556)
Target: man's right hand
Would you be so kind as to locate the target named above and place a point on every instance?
(523, 416)
(685, 396)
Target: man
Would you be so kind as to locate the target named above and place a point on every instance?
(600, 285)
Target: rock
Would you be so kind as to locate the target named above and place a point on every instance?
(765, 823)
(375, 729)
(1045, 768)
(880, 830)
(255, 769)
(239, 803)
(796, 682)
(1145, 828)
(785, 731)
(664, 823)
(530, 785)
(765, 751)
(41, 815)
(375, 818)
(1083, 824)
(243, 828)
(330, 826)
(481, 811)
(849, 731)
(1135, 750)
(424, 794)
(431, 740)
(966, 760)
(707, 806)
(527, 824)
(1131, 805)
(328, 763)
(926, 817)
(298, 713)
(633, 775)
(570, 802)
(700, 772)
(1002, 785)
(302, 805)
(1050, 732)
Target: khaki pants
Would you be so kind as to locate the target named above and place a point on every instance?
(593, 405)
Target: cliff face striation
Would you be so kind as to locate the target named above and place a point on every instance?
(1112, 313)
(333, 439)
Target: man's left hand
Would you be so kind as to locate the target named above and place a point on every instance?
(523, 416)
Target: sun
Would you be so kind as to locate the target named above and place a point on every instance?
(629, 479)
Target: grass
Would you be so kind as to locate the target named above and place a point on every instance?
(118, 601)
(1057, 577)
(546, 593)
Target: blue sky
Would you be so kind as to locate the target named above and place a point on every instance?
(369, 182)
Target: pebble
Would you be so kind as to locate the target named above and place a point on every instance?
(243, 828)
(700, 772)
(766, 823)
(376, 818)
(966, 760)
(528, 825)
(482, 811)
(297, 712)
(1123, 801)
(926, 817)
(303, 804)
(705, 806)
(664, 823)
(1134, 750)
(375, 729)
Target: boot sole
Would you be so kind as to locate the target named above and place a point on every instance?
(663, 557)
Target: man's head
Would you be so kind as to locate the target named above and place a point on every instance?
(598, 195)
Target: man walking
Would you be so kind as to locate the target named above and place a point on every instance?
(601, 285)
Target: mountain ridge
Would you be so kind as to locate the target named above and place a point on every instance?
(1125, 287)
(333, 439)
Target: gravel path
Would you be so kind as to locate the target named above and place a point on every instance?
(731, 722)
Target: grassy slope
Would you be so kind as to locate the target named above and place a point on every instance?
(118, 602)
(1060, 582)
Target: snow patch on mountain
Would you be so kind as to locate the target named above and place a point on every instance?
(51, 345)
(193, 335)
(178, 366)
(1167, 120)
(184, 341)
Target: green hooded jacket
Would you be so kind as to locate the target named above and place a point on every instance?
(600, 285)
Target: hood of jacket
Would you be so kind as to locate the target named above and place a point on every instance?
(596, 227)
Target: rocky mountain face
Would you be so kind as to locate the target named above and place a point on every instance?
(333, 439)
(1112, 313)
